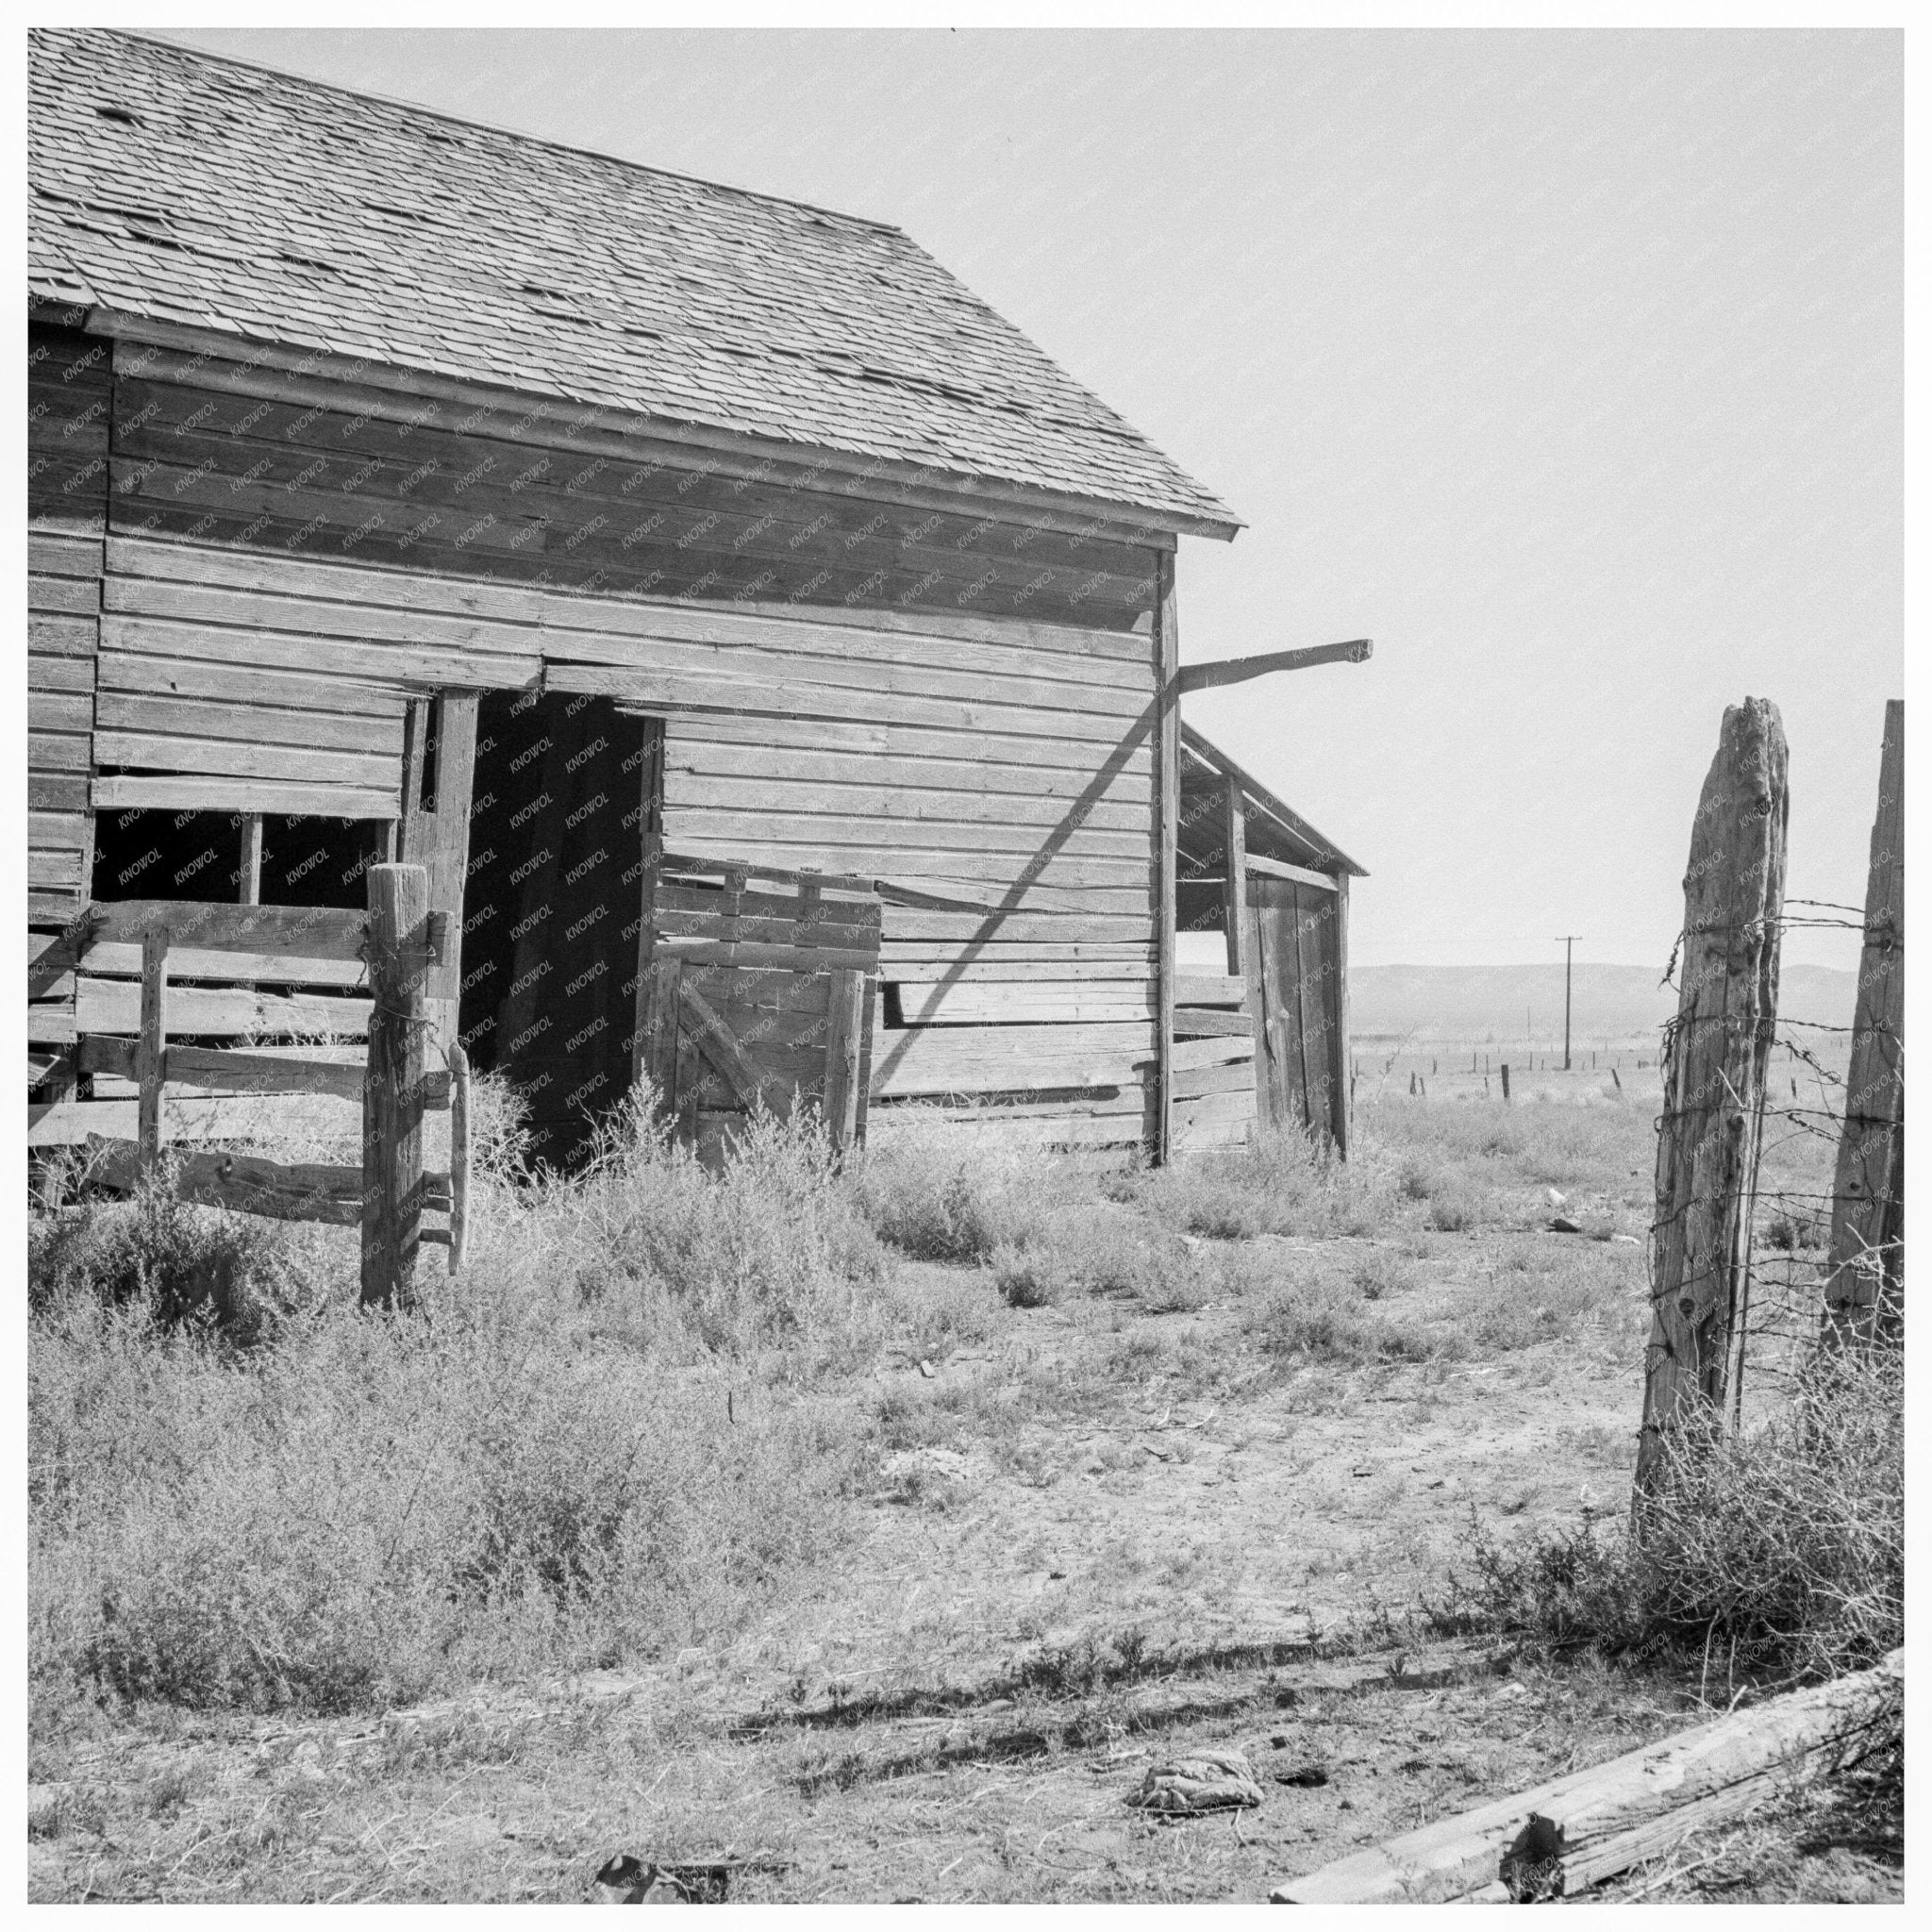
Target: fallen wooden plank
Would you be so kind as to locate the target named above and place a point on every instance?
(1578, 1829)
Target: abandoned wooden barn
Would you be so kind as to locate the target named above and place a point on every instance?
(694, 582)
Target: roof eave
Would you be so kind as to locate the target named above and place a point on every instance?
(907, 482)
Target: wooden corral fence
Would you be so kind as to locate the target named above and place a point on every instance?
(158, 1007)
(758, 993)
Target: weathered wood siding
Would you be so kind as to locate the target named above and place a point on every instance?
(200, 451)
(68, 398)
(860, 686)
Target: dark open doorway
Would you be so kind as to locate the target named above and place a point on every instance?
(551, 907)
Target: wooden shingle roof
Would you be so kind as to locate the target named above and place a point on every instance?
(181, 188)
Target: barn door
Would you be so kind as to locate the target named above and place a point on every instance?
(756, 990)
(1296, 959)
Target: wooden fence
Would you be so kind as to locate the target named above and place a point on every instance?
(163, 990)
(757, 992)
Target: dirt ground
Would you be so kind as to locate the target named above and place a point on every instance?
(1107, 1534)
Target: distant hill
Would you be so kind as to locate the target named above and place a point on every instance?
(1518, 1003)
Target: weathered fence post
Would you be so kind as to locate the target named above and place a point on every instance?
(393, 1086)
(1862, 1292)
(1716, 1052)
(151, 1047)
(459, 1154)
(845, 1035)
(1505, 1080)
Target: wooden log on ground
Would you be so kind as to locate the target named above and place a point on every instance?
(399, 962)
(1862, 1292)
(1576, 1830)
(1717, 1051)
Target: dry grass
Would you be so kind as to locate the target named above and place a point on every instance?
(1777, 1553)
(951, 1417)
(542, 1466)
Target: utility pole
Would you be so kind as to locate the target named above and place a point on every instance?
(1568, 940)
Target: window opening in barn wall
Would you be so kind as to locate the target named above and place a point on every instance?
(551, 907)
(158, 852)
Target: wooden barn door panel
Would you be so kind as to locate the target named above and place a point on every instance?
(757, 996)
(1294, 966)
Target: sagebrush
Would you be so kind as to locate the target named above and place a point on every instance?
(1776, 1552)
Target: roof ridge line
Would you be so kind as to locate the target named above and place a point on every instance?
(595, 153)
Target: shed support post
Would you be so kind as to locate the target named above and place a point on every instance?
(392, 1084)
(1342, 1088)
(1234, 847)
(1167, 777)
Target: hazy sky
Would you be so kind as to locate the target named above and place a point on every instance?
(1567, 366)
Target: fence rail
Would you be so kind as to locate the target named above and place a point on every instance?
(144, 973)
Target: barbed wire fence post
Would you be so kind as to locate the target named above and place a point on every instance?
(1716, 1054)
(1864, 1289)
